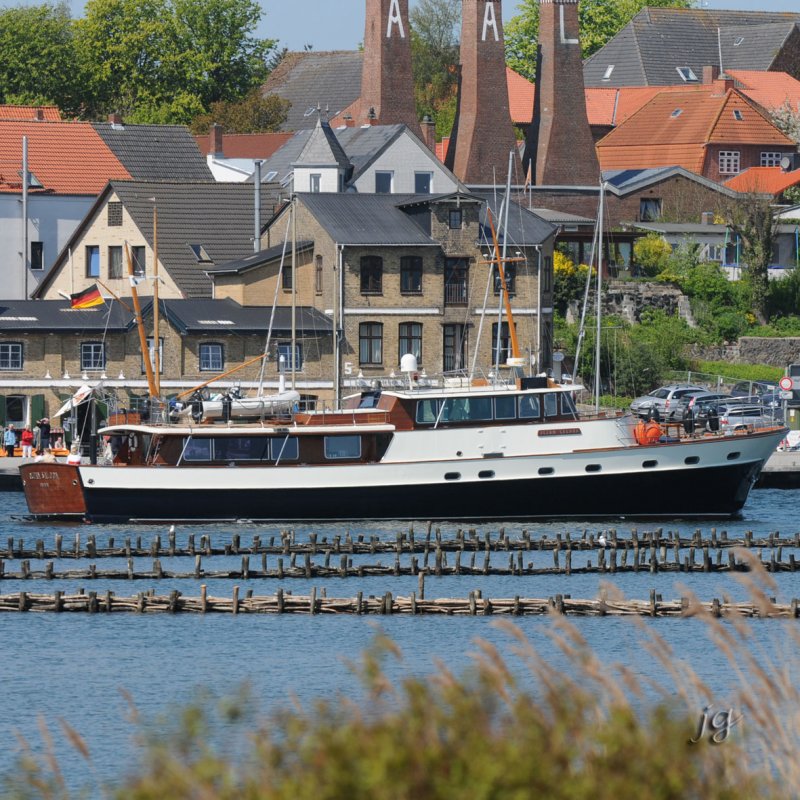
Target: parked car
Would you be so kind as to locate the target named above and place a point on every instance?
(664, 400)
(753, 388)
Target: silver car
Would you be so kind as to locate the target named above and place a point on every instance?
(666, 401)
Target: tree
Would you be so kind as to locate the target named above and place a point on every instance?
(434, 50)
(600, 20)
(168, 60)
(753, 220)
(254, 114)
(37, 62)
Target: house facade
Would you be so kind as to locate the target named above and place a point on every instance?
(404, 274)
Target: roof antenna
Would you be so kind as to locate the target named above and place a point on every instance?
(719, 47)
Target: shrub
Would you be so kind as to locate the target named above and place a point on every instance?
(651, 254)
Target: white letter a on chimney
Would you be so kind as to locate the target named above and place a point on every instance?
(490, 21)
(395, 19)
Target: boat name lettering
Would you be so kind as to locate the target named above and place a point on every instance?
(43, 476)
(561, 432)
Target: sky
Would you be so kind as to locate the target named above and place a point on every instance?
(339, 24)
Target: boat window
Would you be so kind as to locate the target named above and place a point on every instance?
(197, 449)
(551, 404)
(546, 470)
(504, 407)
(241, 448)
(452, 476)
(733, 456)
(486, 473)
(427, 410)
(463, 409)
(691, 460)
(593, 467)
(649, 464)
(568, 405)
(529, 406)
(342, 447)
(369, 399)
(285, 449)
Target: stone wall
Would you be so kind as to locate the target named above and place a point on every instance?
(628, 299)
(754, 350)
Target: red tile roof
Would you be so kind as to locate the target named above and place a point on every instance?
(673, 128)
(769, 89)
(65, 157)
(520, 97)
(246, 145)
(764, 180)
(51, 113)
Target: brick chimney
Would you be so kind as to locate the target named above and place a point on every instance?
(115, 119)
(387, 86)
(215, 140)
(483, 133)
(39, 114)
(560, 145)
(429, 133)
(710, 74)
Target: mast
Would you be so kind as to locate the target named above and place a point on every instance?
(599, 286)
(157, 342)
(148, 366)
(294, 287)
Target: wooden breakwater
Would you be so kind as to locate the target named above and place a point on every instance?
(470, 540)
(435, 563)
(472, 605)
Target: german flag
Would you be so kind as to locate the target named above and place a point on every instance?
(88, 298)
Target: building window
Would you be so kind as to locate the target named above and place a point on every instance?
(454, 347)
(285, 352)
(151, 352)
(771, 159)
(728, 162)
(370, 343)
(649, 209)
(371, 275)
(687, 74)
(510, 275)
(115, 261)
(423, 182)
(211, 357)
(37, 255)
(316, 178)
(93, 356)
(138, 259)
(114, 215)
(286, 276)
(318, 274)
(455, 219)
(505, 343)
(383, 182)
(410, 335)
(92, 261)
(200, 254)
(411, 274)
(456, 273)
(607, 73)
(547, 276)
(11, 356)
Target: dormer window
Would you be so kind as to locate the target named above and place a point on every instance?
(738, 40)
(200, 254)
(316, 178)
(676, 113)
(737, 114)
(687, 74)
(607, 73)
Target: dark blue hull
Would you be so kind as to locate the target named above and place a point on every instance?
(715, 492)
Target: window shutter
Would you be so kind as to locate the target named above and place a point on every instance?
(2, 410)
(37, 407)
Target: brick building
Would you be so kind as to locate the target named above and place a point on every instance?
(404, 273)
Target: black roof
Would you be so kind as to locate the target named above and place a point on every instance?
(261, 257)
(217, 216)
(155, 152)
(525, 228)
(330, 80)
(56, 315)
(227, 316)
(651, 48)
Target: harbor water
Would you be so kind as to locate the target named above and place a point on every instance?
(85, 668)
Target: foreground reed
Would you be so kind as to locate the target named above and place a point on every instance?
(592, 730)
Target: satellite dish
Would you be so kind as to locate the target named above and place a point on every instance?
(786, 163)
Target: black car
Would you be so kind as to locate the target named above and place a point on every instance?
(753, 388)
